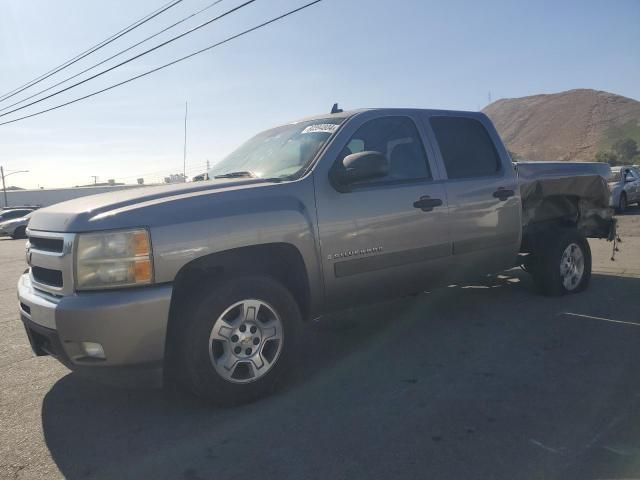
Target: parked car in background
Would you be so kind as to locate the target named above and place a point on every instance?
(11, 213)
(624, 185)
(15, 227)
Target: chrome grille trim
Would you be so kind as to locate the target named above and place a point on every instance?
(61, 261)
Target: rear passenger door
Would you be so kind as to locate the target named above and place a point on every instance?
(482, 190)
(386, 236)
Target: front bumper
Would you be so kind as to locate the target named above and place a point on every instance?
(130, 325)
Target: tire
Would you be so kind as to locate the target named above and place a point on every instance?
(562, 263)
(622, 203)
(20, 232)
(220, 331)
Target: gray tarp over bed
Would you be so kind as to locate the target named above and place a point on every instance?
(552, 190)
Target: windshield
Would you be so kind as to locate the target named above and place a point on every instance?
(282, 152)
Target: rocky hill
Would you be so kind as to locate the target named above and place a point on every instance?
(572, 125)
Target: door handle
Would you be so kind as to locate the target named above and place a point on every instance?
(503, 193)
(426, 203)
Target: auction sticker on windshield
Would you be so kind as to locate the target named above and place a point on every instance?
(321, 128)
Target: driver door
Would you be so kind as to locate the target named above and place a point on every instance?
(382, 238)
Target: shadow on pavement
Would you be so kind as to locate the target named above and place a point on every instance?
(475, 381)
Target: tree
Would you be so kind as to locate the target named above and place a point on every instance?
(607, 157)
(626, 149)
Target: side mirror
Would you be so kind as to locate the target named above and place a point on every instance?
(363, 166)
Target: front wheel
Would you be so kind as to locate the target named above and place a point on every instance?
(239, 339)
(562, 263)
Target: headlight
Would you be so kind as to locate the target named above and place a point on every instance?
(113, 259)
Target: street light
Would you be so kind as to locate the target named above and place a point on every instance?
(4, 188)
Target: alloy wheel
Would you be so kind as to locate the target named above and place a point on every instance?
(246, 341)
(572, 266)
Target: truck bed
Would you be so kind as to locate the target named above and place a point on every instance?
(554, 191)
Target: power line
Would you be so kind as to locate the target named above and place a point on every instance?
(114, 56)
(181, 59)
(96, 47)
(135, 57)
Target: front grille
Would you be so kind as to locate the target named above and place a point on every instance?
(50, 256)
(47, 276)
(47, 244)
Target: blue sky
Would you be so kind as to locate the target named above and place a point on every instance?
(362, 53)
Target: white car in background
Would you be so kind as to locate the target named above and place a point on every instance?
(624, 185)
(15, 227)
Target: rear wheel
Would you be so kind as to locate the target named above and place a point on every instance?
(20, 232)
(239, 339)
(562, 263)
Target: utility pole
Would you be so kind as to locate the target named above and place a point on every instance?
(4, 187)
(95, 179)
(184, 153)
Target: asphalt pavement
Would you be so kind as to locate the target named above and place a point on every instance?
(480, 381)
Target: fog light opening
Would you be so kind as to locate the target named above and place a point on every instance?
(93, 350)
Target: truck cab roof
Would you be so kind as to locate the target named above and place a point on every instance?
(389, 111)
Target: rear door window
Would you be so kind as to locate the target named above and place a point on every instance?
(466, 147)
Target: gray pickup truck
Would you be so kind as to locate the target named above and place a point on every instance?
(210, 282)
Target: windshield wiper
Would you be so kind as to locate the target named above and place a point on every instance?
(236, 175)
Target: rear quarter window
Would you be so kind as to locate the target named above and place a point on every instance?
(466, 147)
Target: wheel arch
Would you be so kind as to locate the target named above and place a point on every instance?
(281, 261)
(564, 211)
(20, 232)
(552, 212)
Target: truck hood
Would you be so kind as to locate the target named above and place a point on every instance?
(122, 208)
